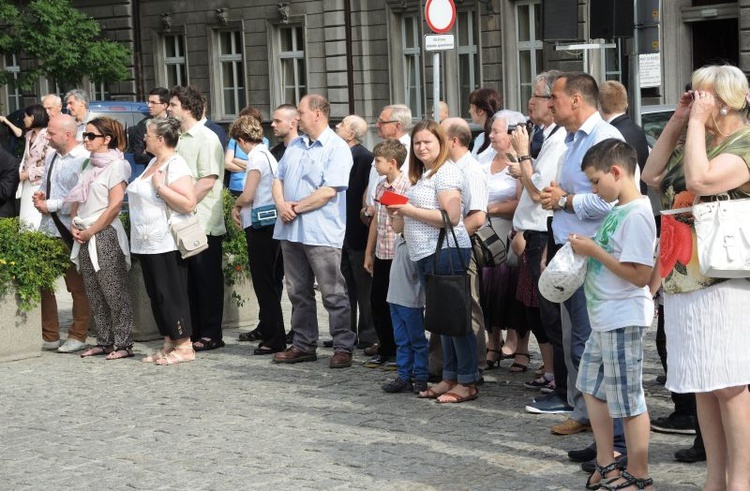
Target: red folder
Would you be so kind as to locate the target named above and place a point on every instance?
(390, 198)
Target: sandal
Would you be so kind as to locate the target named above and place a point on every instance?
(160, 353)
(119, 353)
(262, 349)
(206, 344)
(629, 480)
(254, 335)
(520, 367)
(496, 362)
(180, 354)
(431, 393)
(97, 351)
(453, 398)
(603, 471)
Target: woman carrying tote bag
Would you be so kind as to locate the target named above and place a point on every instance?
(437, 185)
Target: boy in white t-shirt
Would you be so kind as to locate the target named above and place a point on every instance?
(620, 307)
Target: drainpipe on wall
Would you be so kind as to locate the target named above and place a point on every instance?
(138, 51)
(349, 55)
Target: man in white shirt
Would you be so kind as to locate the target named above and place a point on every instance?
(61, 172)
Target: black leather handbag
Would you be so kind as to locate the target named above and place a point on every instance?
(448, 295)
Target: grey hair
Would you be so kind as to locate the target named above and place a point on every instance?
(358, 126)
(548, 78)
(167, 128)
(402, 114)
(55, 98)
(510, 117)
(80, 95)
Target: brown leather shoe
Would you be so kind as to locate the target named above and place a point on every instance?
(294, 355)
(341, 359)
(569, 427)
(372, 350)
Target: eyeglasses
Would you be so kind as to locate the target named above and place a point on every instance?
(380, 122)
(156, 102)
(542, 96)
(92, 136)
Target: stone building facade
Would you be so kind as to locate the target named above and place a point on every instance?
(364, 54)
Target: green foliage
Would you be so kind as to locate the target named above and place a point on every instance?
(234, 247)
(67, 44)
(29, 262)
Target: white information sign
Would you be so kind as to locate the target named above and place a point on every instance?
(440, 42)
(649, 68)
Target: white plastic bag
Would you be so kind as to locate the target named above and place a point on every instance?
(563, 275)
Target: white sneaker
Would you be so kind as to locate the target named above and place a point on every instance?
(51, 345)
(71, 346)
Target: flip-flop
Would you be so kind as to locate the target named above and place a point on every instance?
(456, 399)
(120, 353)
(175, 357)
(97, 350)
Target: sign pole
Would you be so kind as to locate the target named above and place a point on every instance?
(436, 85)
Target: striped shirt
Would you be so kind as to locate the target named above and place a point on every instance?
(384, 247)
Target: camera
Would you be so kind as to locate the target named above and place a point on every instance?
(529, 126)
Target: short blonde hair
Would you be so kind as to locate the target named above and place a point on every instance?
(613, 97)
(728, 81)
(248, 128)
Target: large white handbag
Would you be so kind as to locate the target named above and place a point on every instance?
(723, 231)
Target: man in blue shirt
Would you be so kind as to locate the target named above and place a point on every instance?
(575, 210)
(310, 196)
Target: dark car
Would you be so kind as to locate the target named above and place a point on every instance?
(127, 113)
(653, 121)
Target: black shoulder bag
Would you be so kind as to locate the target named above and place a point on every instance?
(448, 296)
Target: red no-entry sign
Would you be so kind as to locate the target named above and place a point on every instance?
(441, 15)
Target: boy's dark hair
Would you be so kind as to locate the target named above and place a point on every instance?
(391, 149)
(609, 152)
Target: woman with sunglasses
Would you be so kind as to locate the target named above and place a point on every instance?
(162, 193)
(101, 249)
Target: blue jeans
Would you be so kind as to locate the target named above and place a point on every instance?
(459, 352)
(411, 343)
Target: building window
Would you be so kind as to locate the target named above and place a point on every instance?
(612, 62)
(175, 61)
(412, 52)
(468, 57)
(529, 44)
(292, 58)
(231, 74)
(14, 97)
(98, 91)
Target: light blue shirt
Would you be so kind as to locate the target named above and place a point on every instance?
(589, 208)
(305, 167)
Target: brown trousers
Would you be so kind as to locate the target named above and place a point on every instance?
(81, 311)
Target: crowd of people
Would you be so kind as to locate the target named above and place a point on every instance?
(368, 228)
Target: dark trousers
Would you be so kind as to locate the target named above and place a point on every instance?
(165, 277)
(381, 314)
(206, 291)
(358, 286)
(552, 323)
(535, 245)
(264, 257)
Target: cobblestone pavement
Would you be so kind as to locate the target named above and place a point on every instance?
(232, 420)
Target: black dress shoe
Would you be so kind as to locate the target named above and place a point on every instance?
(584, 454)
(690, 455)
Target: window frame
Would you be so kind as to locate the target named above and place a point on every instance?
(298, 56)
(415, 53)
(534, 46)
(159, 41)
(472, 51)
(12, 93)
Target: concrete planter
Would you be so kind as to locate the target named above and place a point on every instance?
(144, 325)
(20, 332)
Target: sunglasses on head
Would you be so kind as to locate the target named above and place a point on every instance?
(92, 136)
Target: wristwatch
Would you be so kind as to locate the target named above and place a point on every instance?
(562, 201)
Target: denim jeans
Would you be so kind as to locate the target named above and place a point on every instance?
(411, 343)
(459, 352)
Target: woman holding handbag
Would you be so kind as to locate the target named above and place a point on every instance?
(163, 193)
(255, 212)
(436, 192)
(714, 159)
(100, 247)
